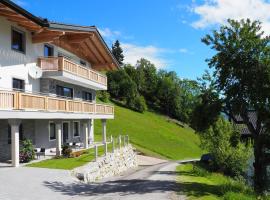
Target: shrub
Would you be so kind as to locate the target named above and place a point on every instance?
(27, 153)
(137, 104)
(230, 156)
(66, 151)
(103, 96)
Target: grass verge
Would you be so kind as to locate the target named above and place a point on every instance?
(152, 134)
(198, 183)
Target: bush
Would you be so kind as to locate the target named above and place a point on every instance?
(27, 152)
(66, 151)
(103, 96)
(137, 104)
(229, 156)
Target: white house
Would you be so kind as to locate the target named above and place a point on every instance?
(49, 75)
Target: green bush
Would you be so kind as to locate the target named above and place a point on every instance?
(230, 156)
(66, 151)
(27, 153)
(137, 104)
(103, 96)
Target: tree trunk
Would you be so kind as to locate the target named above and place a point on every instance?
(259, 166)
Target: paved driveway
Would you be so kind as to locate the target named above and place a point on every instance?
(152, 182)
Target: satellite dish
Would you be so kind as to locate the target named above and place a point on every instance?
(34, 71)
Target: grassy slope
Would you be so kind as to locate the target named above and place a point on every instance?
(197, 183)
(152, 134)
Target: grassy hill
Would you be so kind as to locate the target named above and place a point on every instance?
(152, 134)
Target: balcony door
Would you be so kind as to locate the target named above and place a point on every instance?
(65, 130)
(64, 91)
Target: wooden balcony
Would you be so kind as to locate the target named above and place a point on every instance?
(13, 100)
(63, 64)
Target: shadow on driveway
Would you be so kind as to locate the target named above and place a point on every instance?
(122, 187)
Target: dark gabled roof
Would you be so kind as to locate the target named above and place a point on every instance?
(40, 21)
(43, 22)
(252, 118)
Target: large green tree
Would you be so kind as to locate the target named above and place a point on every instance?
(241, 77)
(117, 51)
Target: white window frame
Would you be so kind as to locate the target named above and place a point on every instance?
(78, 130)
(50, 131)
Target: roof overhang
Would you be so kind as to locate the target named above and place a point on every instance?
(84, 41)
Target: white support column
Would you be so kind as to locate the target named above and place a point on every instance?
(104, 130)
(15, 144)
(91, 131)
(58, 138)
(86, 134)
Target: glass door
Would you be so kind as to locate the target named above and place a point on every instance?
(65, 132)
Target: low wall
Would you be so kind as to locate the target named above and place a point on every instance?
(108, 166)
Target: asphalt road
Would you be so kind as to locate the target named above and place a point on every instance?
(146, 183)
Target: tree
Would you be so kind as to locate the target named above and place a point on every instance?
(189, 98)
(117, 51)
(223, 142)
(241, 74)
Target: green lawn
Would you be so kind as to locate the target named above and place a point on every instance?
(152, 134)
(69, 163)
(198, 183)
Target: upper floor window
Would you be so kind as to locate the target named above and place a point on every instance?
(48, 50)
(17, 84)
(87, 96)
(18, 41)
(83, 63)
(64, 91)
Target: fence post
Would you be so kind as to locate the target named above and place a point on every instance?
(124, 140)
(96, 152)
(119, 141)
(111, 138)
(112, 145)
(127, 140)
(106, 148)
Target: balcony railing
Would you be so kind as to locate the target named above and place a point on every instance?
(13, 100)
(63, 64)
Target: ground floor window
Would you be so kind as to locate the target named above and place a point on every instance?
(52, 131)
(76, 129)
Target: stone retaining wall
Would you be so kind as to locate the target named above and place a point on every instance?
(108, 166)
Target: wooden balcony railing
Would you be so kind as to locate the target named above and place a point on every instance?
(63, 64)
(13, 100)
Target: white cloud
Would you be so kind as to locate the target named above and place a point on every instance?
(134, 52)
(110, 34)
(213, 12)
(183, 50)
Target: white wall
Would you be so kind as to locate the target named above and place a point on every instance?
(14, 64)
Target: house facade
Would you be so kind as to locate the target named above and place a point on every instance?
(49, 75)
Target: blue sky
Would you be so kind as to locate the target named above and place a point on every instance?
(167, 32)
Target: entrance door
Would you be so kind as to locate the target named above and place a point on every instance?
(65, 132)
